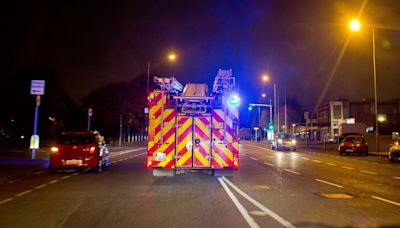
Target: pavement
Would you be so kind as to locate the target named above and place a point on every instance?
(306, 188)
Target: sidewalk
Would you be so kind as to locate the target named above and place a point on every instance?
(16, 163)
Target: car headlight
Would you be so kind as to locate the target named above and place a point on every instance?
(280, 141)
(293, 141)
(396, 143)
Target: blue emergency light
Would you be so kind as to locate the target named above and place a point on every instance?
(234, 100)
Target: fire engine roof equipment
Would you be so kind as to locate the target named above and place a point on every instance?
(169, 84)
(224, 81)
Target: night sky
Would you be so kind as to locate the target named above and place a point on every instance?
(90, 44)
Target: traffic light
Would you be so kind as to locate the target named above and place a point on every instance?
(271, 127)
(234, 100)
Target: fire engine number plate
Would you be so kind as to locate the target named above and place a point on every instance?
(161, 156)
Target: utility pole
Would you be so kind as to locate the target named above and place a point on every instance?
(286, 126)
(275, 106)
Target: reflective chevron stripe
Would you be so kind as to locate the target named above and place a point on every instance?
(202, 149)
(184, 143)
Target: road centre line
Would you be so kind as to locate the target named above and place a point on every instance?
(269, 164)
(74, 174)
(329, 183)
(238, 205)
(368, 172)
(259, 147)
(398, 178)
(40, 186)
(53, 181)
(318, 161)
(331, 164)
(291, 171)
(346, 167)
(38, 172)
(65, 177)
(259, 205)
(6, 200)
(386, 200)
(304, 158)
(23, 193)
(255, 159)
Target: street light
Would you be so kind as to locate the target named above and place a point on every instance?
(355, 26)
(171, 58)
(265, 78)
(263, 95)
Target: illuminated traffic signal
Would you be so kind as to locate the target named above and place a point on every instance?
(271, 127)
(234, 100)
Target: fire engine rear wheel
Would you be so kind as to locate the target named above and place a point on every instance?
(222, 172)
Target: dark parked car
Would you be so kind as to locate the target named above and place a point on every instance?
(394, 151)
(79, 150)
(353, 144)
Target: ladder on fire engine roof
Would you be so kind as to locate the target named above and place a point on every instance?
(224, 81)
(170, 85)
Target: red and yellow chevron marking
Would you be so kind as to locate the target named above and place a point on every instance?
(222, 154)
(202, 133)
(155, 111)
(184, 141)
(168, 144)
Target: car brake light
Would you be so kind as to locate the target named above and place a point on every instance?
(55, 150)
(358, 144)
(149, 161)
(92, 149)
(235, 162)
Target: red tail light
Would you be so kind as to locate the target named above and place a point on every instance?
(235, 162)
(55, 150)
(92, 149)
(149, 162)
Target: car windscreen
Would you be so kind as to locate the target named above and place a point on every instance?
(352, 139)
(78, 139)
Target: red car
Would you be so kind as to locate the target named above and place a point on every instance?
(353, 143)
(79, 150)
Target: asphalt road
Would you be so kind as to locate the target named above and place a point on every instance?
(271, 189)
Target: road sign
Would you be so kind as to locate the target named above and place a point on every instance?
(34, 143)
(90, 112)
(37, 87)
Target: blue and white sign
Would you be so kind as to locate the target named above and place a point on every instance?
(37, 87)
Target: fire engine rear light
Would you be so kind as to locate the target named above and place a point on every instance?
(235, 162)
(55, 150)
(149, 162)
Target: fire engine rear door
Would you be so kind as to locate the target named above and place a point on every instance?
(184, 142)
(201, 141)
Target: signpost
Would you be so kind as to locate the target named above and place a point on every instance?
(89, 113)
(37, 88)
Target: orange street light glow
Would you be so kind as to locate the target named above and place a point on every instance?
(354, 25)
(172, 57)
(265, 78)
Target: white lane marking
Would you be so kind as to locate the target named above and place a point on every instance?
(130, 157)
(259, 147)
(331, 164)
(255, 159)
(291, 171)
(386, 200)
(304, 158)
(318, 161)
(330, 183)
(23, 193)
(6, 200)
(112, 154)
(39, 172)
(65, 177)
(41, 186)
(368, 172)
(259, 205)
(346, 167)
(238, 205)
(53, 181)
(398, 178)
(74, 174)
(268, 164)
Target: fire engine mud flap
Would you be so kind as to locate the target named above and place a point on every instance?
(228, 172)
(163, 172)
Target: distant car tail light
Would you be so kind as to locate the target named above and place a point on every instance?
(149, 161)
(341, 144)
(358, 144)
(92, 149)
(235, 162)
(54, 150)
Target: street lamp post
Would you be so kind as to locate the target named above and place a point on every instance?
(355, 26)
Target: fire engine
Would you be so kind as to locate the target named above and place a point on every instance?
(190, 128)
